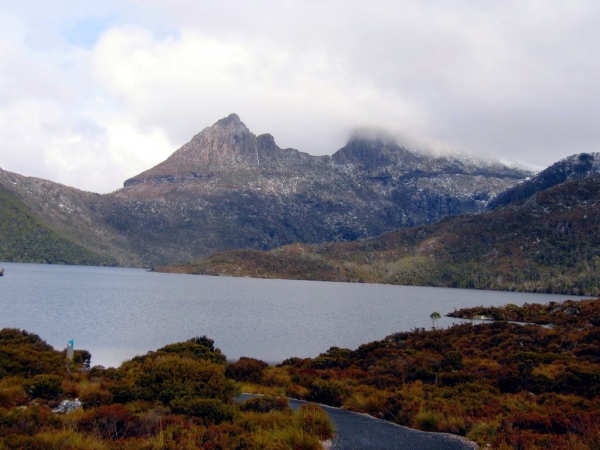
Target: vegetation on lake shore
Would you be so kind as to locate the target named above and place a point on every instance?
(179, 397)
(500, 384)
(550, 243)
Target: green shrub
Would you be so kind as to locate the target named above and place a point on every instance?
(246, 369)
(315, 421)
(26, 354)
(123, 393)
(44, 386)
(483, 432)
(197, 348)
(427, 420)
(94, 396)
(329, 392)
(211, 410)
(265, 404)
(287, 438)
(374, 403)
(167, 378)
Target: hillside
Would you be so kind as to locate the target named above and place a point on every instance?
(549, 243)
(575, 167)
(26, 239)
(74, 215)
(228, 189)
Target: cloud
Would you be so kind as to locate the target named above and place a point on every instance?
(93, 93)
(185, 83)
(55, 123)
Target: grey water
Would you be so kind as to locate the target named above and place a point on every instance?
(117, 313)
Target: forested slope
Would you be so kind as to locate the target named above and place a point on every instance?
(548, 243)
(25, 238)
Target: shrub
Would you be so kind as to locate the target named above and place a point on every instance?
(286, 438)
(82, 358)
(12, 392)
(26, 354)
(296, 391)
(69, 440)
(27, 420)
(454, 425)
(94, 395)
(483, 432)
(246, 369)
(211, 410)
(101, 373)
(453, 360)
(427, 420)
(265, 404)
(108, 422)
(198, 348)
(329, 392)
(44, 386)
(167, 378)
(315, 421)
(373, 403)
(123, 393)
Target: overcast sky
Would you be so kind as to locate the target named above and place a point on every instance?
(94, 92)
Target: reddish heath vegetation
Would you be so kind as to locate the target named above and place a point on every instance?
(502, 384)
(179, 397)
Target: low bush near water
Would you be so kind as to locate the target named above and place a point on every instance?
(501, 384)
(178, 397)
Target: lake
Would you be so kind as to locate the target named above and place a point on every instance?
(117, 313)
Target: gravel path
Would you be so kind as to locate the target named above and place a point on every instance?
(362, 432)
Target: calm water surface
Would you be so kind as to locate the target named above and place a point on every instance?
(118, 313)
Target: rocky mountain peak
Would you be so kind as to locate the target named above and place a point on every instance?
(574, 167)
(232, 118)
(370, 152)
(228, 144)
(230, 125)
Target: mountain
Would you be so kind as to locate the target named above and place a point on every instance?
(575, 167)
(548, 243)
(228, 189)
(25, 238)
(40, 214)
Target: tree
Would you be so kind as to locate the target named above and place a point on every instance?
(434, 318)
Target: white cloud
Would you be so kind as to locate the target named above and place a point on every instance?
(56, 123)
(516, 79)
